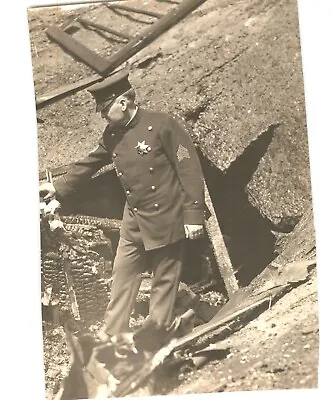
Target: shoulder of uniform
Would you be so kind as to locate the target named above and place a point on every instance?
(155, 115)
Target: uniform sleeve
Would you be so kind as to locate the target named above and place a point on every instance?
(82, 170)
(182, 154)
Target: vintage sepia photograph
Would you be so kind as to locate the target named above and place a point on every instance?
(177, 236)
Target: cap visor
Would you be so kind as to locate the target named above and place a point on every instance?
(101, 106)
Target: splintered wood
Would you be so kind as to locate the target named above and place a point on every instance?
(219, 248)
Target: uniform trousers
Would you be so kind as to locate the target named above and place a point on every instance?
(130, 261)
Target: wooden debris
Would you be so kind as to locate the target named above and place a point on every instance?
(66, 90)
(243, 307)
(221, 323)
(148, 35)
(77, 49)
(219, 248)
(134, 10)
(105, 67)
(71, 291)
(86, 22)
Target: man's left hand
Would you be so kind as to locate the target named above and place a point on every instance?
(194, 231)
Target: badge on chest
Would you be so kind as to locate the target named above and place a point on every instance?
(143, 148)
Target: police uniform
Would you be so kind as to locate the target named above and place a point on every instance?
(159, 170)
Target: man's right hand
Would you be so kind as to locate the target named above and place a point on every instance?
(47, 190)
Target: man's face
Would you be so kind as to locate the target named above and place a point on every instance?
(115, 113)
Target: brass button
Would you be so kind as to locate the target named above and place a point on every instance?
(148, 148)
(120, 174)
(114, 155)
(135, 209)
(153, 188)
(151, 169)
(156, 205)
(112, 134)
(150, 128)
(127, 191)
(195, 202)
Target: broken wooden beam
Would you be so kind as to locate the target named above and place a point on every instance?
(64, 91)
(134, 10)
(86, 22)
(77, 49)
(219, 248)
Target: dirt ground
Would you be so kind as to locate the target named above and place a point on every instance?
(279, 349)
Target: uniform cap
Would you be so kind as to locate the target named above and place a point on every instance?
(106, 91)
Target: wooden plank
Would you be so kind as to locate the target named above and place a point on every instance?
(86, 22)
(64, 91)
(219, 248)
(224, 318)
(134, 10)
(77, 49)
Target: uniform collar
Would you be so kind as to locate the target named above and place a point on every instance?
(135, 119)
(133, 116)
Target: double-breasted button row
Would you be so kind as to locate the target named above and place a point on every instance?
(156, 206)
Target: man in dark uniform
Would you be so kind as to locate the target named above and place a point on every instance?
(160, 172)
